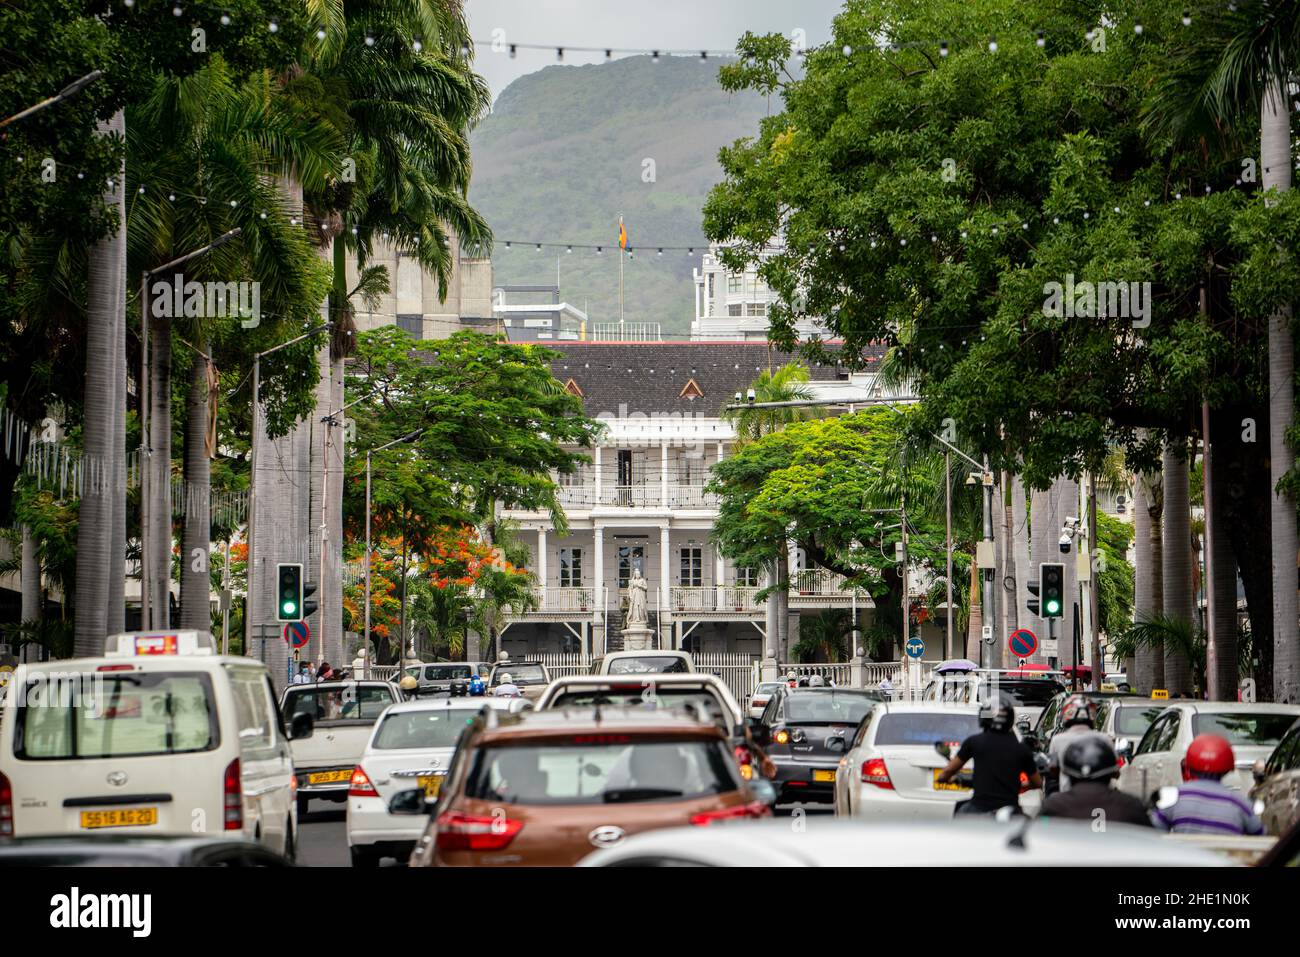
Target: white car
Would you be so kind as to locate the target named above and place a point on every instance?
(661, 690)
(1030, 692)
(159, 736)
(964, 842)
(890, 769)
(761, 696)
(642, 662)
(1253, 730)
(411, 746)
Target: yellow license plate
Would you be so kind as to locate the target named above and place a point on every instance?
(955, 785)
(824, 776)
(329, 777)
(431, 783)
(120, 817)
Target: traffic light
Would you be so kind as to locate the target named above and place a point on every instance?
(308, 605)
(288, 592)
(1032, 603)
(1051, 576)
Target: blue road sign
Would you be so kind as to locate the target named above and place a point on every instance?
(915, 647)
(1022, 643)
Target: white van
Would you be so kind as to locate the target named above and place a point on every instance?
(159, 736)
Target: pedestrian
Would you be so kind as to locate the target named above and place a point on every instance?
(303, 675)
(1204, 805)
(886, 687)
(1090, 765)
(1002, 762)
(324, 672)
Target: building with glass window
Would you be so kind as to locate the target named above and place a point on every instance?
(735, 305)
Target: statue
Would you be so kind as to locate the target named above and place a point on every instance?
(637, 588)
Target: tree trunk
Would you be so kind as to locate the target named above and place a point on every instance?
(1275, 157)
(30, 576)
(1221, 668)
(1146, 575)
(105, 294)
(160, 470)
(196, 582)
(1179, 603)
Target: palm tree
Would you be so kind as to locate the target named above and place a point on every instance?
(786, 384)
(1229, 72)
(215, 144)
(1177, 565)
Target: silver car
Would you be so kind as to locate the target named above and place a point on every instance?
(1277, 784)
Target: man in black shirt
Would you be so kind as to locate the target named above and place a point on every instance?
(1091, 767)
(1000, 760)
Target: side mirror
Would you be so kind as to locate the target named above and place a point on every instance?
(1023, 726)
(1124, 749)
(1259, 769)
(763, 790)
(301, 726)
(410, 801)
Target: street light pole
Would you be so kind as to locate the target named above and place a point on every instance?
(72, 89)
(947, 530)
(146, 447)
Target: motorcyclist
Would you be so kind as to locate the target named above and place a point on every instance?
(408, 684)
(1001, 762)
(1078, 721)
(506, 687)
(1090, 765)
(816, 681)
(1203, 804)
(477, 688)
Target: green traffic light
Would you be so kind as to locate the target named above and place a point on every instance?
(288, 607)
(1053, 606)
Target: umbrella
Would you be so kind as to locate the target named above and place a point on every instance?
(955, 666)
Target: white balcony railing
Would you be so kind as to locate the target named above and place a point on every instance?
(691, 496)
(733, 598)
(819, 582)
(648, 494)
(564, 599)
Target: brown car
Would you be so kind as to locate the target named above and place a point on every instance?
(548, 788)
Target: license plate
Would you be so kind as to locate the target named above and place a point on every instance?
(120, 817)
(959, 784)
(824, 776)
(329, 777)
(432, 784)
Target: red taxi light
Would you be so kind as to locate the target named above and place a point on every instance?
(470, 832)
(752, 809)
(875, 772)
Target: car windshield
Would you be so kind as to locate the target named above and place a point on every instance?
(1027, 693)
(104, 715)
(346, 702)
(653, 664)
(641, 695)
(827, 707)
(767, 687)
(1246, 728)
(423, 729)
(521, 674)
(1132, 721)
(601, 769)
(925, 727)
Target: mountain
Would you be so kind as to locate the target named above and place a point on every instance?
(563, 154)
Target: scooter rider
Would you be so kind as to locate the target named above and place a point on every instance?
(1000, 761)
(1090, 766)
(477, 688)
(1204, 805)
(1078, 721)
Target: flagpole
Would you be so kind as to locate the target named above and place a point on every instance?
(622, 251)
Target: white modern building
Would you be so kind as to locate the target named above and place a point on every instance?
(735, 305)
(641, 503)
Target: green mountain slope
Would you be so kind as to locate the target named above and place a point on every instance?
(562, 155)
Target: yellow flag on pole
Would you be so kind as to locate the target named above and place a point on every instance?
(622, 234)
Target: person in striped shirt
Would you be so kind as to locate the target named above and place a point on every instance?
(1204, 804)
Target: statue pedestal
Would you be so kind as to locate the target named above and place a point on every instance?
(637, 638)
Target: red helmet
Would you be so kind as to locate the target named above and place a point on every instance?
(1078, 709)
(1208, 756)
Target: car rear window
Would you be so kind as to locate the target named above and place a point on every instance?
(116, 714)
(1132, 721)
(827, 707)
(423, 729)
(1026, 694)
(1245, 727)
(360, 703)
(521, 674)
(447, 672)
(635, 695)
(601, 769)
(925, 728)
(655, 664)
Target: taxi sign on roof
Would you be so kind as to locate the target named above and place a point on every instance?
(143, 643)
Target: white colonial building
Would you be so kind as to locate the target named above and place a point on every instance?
(735, 305)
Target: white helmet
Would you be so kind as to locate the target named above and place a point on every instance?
(816, 681)
(505, 678)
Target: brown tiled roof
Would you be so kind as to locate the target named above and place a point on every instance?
(649, 377)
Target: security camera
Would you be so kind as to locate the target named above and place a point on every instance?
(750, 396)
(1065, 542)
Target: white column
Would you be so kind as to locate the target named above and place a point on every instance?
(665, 576)
(719, 574)
(596, 466)
(598, 595)
(541, 563)
(663, 473)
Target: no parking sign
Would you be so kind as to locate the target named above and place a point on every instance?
(1022, 643)
(296, 633)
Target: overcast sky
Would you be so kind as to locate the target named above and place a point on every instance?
(640, 24)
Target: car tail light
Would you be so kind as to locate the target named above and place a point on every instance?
(1024, 782)
(745, 758)
(781, 737)
(232, 798)
(753, 809)
(116, 668)
(469, 832)
(360, 785)
(293, 784)
(875, 772)
(1119, 761)
(6, 807)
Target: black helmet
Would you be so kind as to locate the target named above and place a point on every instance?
(1091, 759)
(997, 714)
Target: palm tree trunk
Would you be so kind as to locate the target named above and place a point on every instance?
(30, 575)
(160, 470)
(1177, 564)
(116, 621)
(1275, 157)
(1221, 666)
(196, 583)
(1145, 576)
(105, 295)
